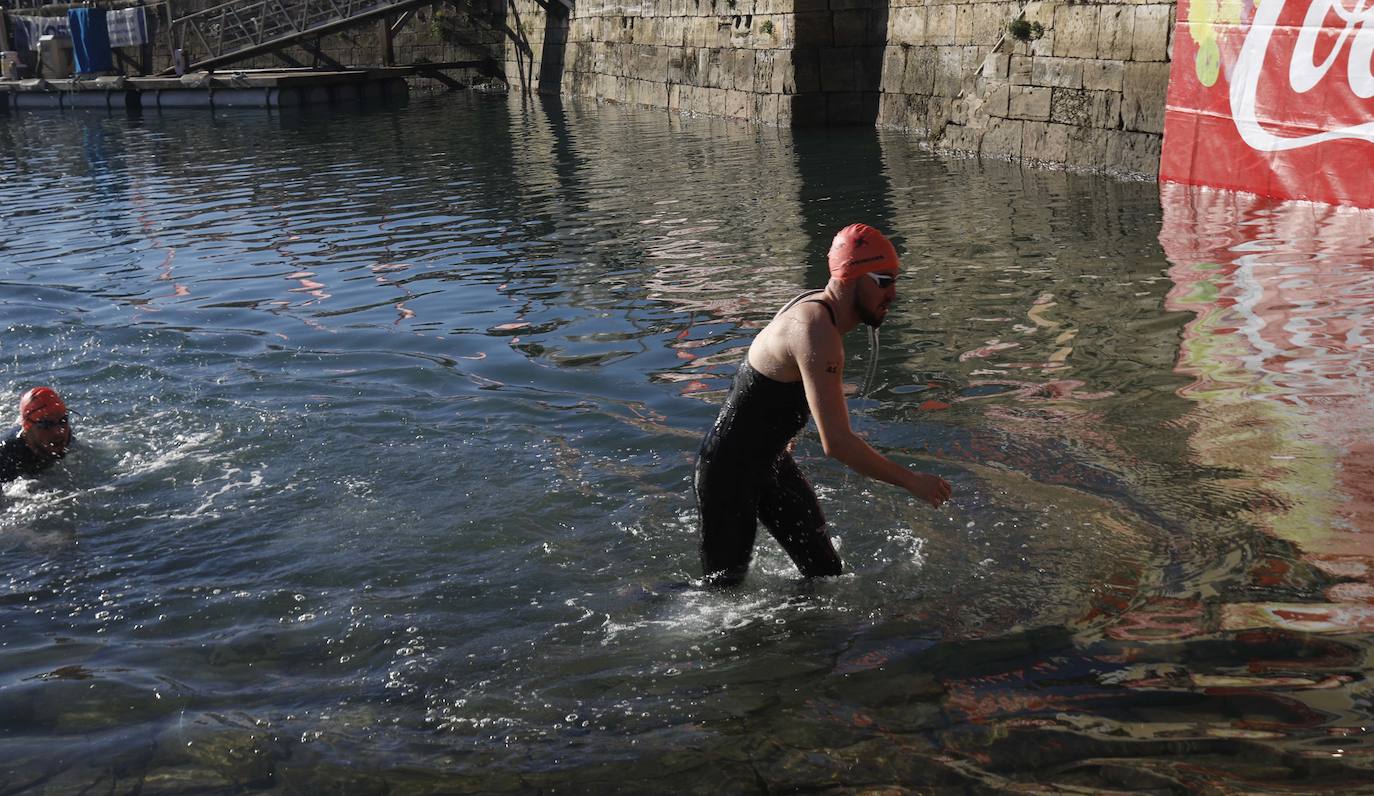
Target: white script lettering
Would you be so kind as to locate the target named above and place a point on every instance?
(1303, 72)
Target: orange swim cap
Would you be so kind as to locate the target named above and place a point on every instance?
(859, 249)
(40, 403)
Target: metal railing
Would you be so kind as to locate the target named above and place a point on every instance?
(241, 28)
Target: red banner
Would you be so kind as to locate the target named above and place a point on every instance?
(1274, 98)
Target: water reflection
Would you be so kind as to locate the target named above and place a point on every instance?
(1280, 357)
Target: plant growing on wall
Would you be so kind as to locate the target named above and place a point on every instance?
(1022, 30)
(766, 27)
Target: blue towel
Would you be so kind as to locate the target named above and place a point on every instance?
(90, 40)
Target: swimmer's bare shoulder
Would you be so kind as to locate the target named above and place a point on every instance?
(775, 351)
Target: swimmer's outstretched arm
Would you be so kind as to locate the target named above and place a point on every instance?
(820, 356)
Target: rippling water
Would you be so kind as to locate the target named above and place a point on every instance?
(387, 428)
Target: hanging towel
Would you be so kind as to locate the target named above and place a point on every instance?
(90, 40)
(128, 27)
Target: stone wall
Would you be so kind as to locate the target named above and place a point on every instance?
(729, 58)
(1088, 91)
(1085, 88)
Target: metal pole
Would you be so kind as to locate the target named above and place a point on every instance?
(4, 31)
(388, 48)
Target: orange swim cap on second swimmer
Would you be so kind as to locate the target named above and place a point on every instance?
(859, 249)
(39, 404)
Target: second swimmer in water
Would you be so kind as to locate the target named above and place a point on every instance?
(793, 370)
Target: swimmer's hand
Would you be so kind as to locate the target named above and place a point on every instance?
(930, 488)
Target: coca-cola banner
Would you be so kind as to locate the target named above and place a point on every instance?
(1274, 97)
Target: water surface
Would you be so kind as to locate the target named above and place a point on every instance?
(387, 428)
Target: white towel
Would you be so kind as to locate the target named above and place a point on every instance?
(128, 27)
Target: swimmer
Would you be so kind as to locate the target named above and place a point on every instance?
(41, 438)
(792, 371)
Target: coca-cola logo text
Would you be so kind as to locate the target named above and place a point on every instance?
(1304, 71)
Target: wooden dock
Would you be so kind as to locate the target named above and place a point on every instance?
(251, 88)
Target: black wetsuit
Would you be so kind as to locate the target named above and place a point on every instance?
(745, 475)
(16, 458)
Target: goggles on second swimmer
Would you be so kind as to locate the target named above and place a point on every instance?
(45, 424)
(882, 280)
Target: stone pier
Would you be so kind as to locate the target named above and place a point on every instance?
(1075, 83)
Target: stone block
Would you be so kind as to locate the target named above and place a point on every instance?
(1075, 31)
(813, 30)
(893, 110)
(989, 22)
(960, 113)
(1103, 75)
(763, 70)
(681, 66)
(695, 100)
(838, 70)
(997, 66)
(738, 104)
(960, 139)
(852, 29)
(784, 75)
(656, 93)
(868, 68)
(1088, 147)
(1029, 102)
(1003, 138)
(742, 65)
(894, 66)
(1150, 41)
(907, 25)
(1143, 95)
(949, 71)
(784, 110)
(1132, 153)
(806, 71)
(1046, 142)
(964, 23)
(916, 119)
(1115, 29)
(920, 71)
(997, 100)
(937, 115)
(941, 22)
(725, 33)
(767, 108)
(1106, 110)
(1063, 72)
(717, 101)
(658, 64)
(761, 40)
(1044, 14)
(1019, 70)
(1072, 106)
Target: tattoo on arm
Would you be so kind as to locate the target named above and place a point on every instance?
(832, 367)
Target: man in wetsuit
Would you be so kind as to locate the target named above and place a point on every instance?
(793, 371)
(40, 439)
